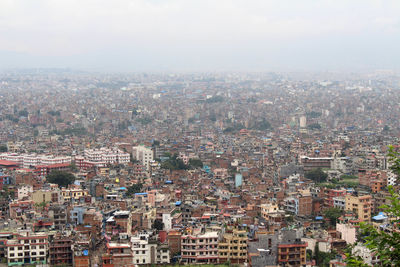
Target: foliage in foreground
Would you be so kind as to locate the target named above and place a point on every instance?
(384, 245)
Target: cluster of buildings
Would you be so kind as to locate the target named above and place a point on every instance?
(246, 169)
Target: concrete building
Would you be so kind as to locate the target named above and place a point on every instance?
(60, 251)
(146, 250)
(28, 249)
(233, 247)
(360, 206)
(47, 196)
(238, 179)
(143, 154)
(103, 156)
(200, 248)
(24, 191)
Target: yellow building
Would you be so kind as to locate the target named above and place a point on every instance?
(46, 196)
(233, 246)
(76, 194)
(360, 206)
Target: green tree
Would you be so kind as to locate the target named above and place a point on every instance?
(195, 163)
(383, 244)
(317, 175)
(62, 178)
(174, 163)
(133, 189)
(3, 148)
(333, 214)
(158, 224)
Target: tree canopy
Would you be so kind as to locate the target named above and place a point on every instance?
(133, 189)
(62, 178)
(317, 175)
(333, 214)
(3, 148)
(174, 163)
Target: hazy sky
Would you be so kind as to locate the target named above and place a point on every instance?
(200, 35)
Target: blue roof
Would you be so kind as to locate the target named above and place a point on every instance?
(318, 218)
(122, 188)
(178, 203)
(140, 194)
(380, 216)
(168, 182)
(86, 252)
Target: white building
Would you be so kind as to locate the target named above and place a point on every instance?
(339, 202)
(24, 191)
(33, 160)
(29, 249)
(147, 251)
(167, 221)
(391, 178)
(303, 122)
(143, 154)
(104, 156)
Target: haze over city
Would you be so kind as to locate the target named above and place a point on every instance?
(200, 35)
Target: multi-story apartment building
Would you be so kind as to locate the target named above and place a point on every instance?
(233, 247)
(47, 196)
(292, 253)
(103, 156)
(146, 250)
(120, 222)
(28, 249)
(339, 202)
(314, 163)
(118, 254)
(73, 194)
(360, 206)
(143, 154)
(200, 248)
(33, 160)
(58, 213)
(60, 251)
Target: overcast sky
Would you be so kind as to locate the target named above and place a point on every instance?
(200, 35)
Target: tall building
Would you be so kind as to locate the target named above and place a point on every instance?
(200, 248)
(60, 251)
(238, 179)
(360, 206)
(233, 247)
(29, 249)
(303, 122)
(143, 154)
